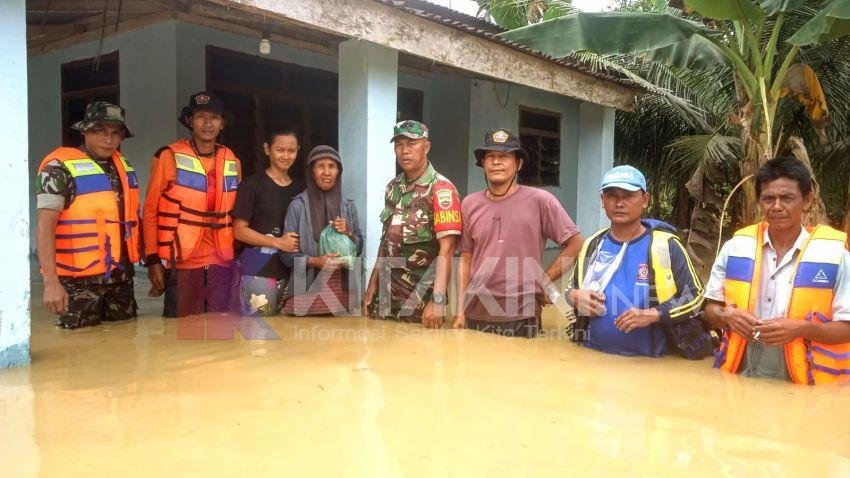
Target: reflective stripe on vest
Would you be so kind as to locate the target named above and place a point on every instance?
(88, 233)
(815, 273)
(183, 213)
(659, 255)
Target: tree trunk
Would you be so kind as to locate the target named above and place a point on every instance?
(753, 141)
(751, 162)
(817, 213)
(705, 224)
(683, 205)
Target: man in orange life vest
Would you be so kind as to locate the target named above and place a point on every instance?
(88, 223)
(781, 292)
(187, 215)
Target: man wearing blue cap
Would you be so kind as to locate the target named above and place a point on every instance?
(634, 289)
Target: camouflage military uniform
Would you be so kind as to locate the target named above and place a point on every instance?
(95, 298)
(414, 218)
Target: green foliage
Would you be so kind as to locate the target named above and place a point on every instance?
(636, 6)
(513, 14)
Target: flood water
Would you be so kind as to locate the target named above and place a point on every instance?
(354, 397)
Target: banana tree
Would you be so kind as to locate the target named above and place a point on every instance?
(750, 38)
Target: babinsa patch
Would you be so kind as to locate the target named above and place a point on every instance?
(444, 198)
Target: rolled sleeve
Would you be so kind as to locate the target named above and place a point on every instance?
(715, 288)
(54, 202)
(292, 223)
(453, 232)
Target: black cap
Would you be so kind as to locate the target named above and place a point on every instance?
(502, 140)
(202, 101)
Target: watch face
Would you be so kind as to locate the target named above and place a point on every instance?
(438, 298)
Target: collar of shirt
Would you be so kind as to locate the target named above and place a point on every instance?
(425, 179)
(776, 284)
(792, 253)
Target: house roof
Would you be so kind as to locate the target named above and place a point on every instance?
(320, 25)
(490, 31)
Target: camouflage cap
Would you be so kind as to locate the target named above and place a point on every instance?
(410, 129)
(102, 112)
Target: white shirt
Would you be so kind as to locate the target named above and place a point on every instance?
(774, 295)
(777, 282)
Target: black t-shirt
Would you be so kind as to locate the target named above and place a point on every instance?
(263, 203)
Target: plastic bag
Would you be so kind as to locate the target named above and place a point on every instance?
(332, 241)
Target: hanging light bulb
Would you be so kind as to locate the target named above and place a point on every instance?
(265, 46)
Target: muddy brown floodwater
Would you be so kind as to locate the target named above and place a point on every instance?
(354, 397)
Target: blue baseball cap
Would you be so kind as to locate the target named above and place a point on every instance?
(624, 177)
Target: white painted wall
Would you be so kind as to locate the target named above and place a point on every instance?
(368, 100)
(596, 150)
(14, 242)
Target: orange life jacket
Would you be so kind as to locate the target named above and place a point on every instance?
(815, 274)
(182, 209)
(88, 233)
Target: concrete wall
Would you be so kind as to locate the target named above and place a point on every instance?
(153, 93)
(447, 104)
(192, 41)
(496, 105)
(367, 112)
(458, 111)
(14, 242)
(596, 150)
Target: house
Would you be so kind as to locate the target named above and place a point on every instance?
(340, 72)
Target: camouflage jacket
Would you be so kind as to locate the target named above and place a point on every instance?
(426, 210)
(415, 216)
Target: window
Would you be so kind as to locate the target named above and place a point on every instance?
(83, 82)
(540, 133)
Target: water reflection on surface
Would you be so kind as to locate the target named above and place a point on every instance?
(353, 397)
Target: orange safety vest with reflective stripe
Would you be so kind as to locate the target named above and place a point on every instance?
(815, 274)
(88, 232)
(183, 215)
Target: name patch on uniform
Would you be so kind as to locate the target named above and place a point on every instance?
(444, 198)
(446, 217)
(84, 166)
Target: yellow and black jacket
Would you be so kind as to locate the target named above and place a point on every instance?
(676, 290)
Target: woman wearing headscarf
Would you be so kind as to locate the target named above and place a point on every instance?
(319, 283)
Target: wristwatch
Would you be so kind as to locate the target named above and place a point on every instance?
(438, 298)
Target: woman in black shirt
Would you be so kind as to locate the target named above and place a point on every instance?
(259, 212)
